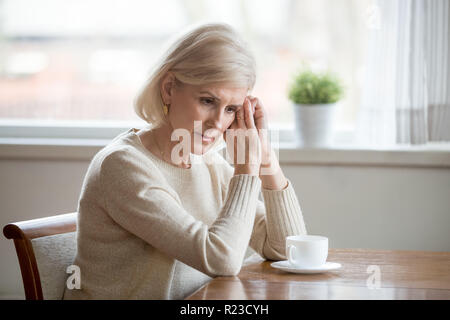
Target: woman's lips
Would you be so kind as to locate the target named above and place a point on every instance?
(206, 139)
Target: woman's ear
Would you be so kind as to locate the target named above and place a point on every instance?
(167, 85)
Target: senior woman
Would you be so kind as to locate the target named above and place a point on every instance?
(158, 222)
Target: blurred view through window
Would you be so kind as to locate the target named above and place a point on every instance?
(87, 59)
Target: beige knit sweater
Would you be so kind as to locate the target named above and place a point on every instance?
(150, 230)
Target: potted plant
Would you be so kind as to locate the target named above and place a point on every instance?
(315, 96)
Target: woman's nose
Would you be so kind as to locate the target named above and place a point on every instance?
(218, 120)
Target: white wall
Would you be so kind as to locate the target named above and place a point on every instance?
(28, 190)
(356, 206)
(379, 208)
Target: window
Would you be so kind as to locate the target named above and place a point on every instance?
(85, 60)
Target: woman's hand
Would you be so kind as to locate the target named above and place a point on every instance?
(243, 141)
(271, 175)
(253, 118)
(261, 123)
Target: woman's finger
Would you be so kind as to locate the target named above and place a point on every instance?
(240, 115)
(260, 115)
(254, 102)
(249, 121)
(231, 127)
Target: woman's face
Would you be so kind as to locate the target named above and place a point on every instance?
(213, 107)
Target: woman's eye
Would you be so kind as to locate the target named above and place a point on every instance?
(207, 101)
(210, 101)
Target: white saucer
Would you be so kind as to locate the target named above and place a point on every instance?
(286, 266)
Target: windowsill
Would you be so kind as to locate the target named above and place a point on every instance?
(434, 156)
(80, 141)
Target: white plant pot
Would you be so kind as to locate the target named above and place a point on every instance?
(314, 124)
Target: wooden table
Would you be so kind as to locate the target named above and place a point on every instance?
(403, 275)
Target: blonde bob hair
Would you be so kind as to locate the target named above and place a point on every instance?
(208, 54)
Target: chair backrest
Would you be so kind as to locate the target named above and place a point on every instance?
(45, 248)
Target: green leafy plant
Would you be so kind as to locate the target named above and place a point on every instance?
(315, 88)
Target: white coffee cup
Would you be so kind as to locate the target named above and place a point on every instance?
(307, 251)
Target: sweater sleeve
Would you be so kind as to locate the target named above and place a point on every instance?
(136, 201)
(276, 218)
(279, 215)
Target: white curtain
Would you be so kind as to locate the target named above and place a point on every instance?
(406, 96)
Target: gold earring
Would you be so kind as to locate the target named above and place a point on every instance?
(165, 110)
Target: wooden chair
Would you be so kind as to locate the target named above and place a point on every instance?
(45, 248)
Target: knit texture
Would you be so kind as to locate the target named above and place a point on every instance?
(150, 230)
